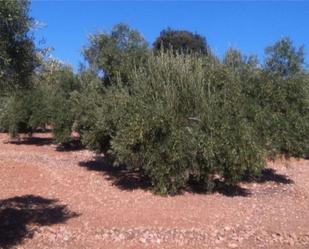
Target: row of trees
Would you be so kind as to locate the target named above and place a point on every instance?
(174, 112)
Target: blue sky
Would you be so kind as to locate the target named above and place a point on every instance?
(246, 25)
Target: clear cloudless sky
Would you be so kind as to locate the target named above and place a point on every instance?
(247, 25)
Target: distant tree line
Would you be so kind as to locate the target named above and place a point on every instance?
(174, 111)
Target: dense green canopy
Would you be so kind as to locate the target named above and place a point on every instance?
(174, 112)
(17, 51)
(181, 41)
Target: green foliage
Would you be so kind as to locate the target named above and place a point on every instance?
(17, 51)
(47, 101)
(236, 61)
(98, 111)
(175, 115)
(181, 41)
(88, 104)
(113, 54)
(282, 120)
(62, 86)
(284, 59)
(181, 117)
(17, 63)
(24, 111)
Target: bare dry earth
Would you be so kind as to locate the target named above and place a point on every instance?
(55, 199)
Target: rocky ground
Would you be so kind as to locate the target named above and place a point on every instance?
(68, 199)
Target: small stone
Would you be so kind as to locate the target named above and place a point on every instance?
(232, 245)
(291, 242)
(66, 237)
(239, 239)
(293, 236)
(142, 240)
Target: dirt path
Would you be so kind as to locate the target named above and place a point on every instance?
(53, 199)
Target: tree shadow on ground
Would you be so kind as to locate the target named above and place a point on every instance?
(38, 141)
(218, 187)
(270, 175)
(120, 177)
(73, 145)
(129, 180)
(17, 214)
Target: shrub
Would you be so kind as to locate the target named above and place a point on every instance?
(46, 101)
(283, 117)
(181, 41)
(24, 111)
(17, 49)
(113, 54)
(87, 107)
(63, 86)
(101, 112)
(181, 117)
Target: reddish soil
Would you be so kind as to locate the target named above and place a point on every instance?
(66, 199)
